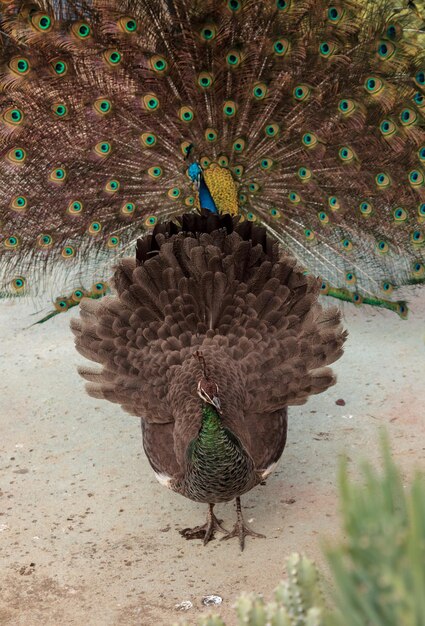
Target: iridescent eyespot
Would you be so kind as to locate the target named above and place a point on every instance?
(324, 287)
(223, 161)
(113, 241)
(13, 116)
(234, 5)
(18, 284)
(81, 30)
(386, 50)
(266, 164)
(323, 217)
(301, 92)
(259, 91)
(20, 66)
(309, 234)
(335, 14)
(420, 78)
(304, 174)
(58, 175)
(44, 241)
(357, 298)
(251, 217)
(103, 148)
(242, 199)
(387, 287)
(174, 193)
(382, 247)
(211, 135)
(365, 208)
(333, 203)
(127, 25)
(294, 198)
(327, 49)
(388, 128)
(272, 130)
(112, 57)
(60, 110)
(230, 108)
(158, 64)
(112, 186)
(350, 278)
(205, 162)
(151, 221)
(189, 201)
(12, 242)
(281, 47)
(75, 207)
(408, 117)
(382, 180)
(275, 213)
(373, 85)
(346, 154)
(238, 145)
(419, 100)
(186, 114)
(102, 106)
(186, 147)
(233, 59)
(254, 187)
(148, 140)
(402, 310)
(68, 252)
(94, 228)
(418, 270)
(421, 153)
(99, 288)
(346, 106)
(421, 212)
(208, 32)
(150, 102)
(400, 215)
(59, 67)
(205, 80)
(61, 304)
(394, 31)
(155, 171)
(17, 155)
(19, 203)
(283, 5)
(309, 140)
(128, 208)
(346, 245)
(416, 178)
(238, 170)
(77, 295)
(41, 22)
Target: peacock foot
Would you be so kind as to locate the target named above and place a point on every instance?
(205, 532)
(239, 529)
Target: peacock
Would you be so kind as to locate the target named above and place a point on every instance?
(257, 156)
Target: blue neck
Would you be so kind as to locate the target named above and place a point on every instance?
(205, 198)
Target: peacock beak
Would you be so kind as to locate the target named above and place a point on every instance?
(216, 402)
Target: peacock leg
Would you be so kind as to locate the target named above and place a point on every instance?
(239, 529)
(207, 530)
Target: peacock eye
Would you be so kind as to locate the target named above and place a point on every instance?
(327, 49)
(242, 199)
(420, 78)
(271, 130)
(150, 102)
(416, 178)
(323, 217)
(75, 207)
(266, 164)
(208, 32)
(382, 180)
(346, 154)
(274, 213)
(386, 50)
(388, 128)
(309, 140)
(12, 242)
(60, 110)
(309, 234)
(387, 287)
(102, 106)
(103, 149)
(347, 245)
(128, 208)
(155, 172)
(189, 201)
(304, 174)
(421, 153)
(366, 208)
(350, 278)
(259, 91)
(301, 92)
(251, 217)
(151, 221)
(77, 295)
(335, 14)
(113, 241)
(19, 66)
(18, 284)
(238, 170)
(58, 175)
(158, 64)
(19, 203)
(205, 162)
(205, 80)
(324, 287)
(400, 215)
(281, 46)
(186, 114)
(283, 5)
(99, 288)
(239, 145)
(234, 5)
(127, 25)
(148, 140)
(174, 193)
(223, 161)
(373, 85)
(94, 228)
(346, 106)
(382, 247)
(41, 22)
(17, 155)
(421, 212)
(254, 187)
(13, 116)
(44, 241)
(333, 203)
(68, 252)
(60, 68)
(81, 30)
(211, 135)
(408, 117)
(112, 57)
(233, 59)
(230, 108)
(112, 186)
(418, 269)
(294, 198)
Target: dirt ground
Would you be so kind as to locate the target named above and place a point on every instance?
(88, 536)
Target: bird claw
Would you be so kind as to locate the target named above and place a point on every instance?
(241, 531)
(206, 531)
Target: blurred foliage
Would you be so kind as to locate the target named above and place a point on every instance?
(378, 569)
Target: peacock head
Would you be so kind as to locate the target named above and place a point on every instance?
(207, 388)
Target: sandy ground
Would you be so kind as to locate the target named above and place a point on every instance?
(87, 535)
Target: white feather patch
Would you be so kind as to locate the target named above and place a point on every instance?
(268, 470)
(163, 479)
